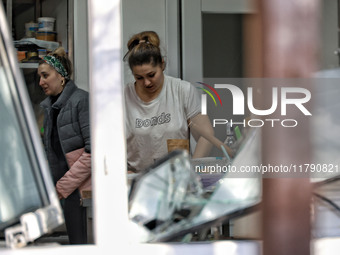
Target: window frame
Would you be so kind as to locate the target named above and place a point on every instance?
(51, 211)
(111, 225)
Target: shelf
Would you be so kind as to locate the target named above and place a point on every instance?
(40, 43)
(29, 65)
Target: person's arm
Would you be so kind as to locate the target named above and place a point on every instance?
(200, 126)
(203, 146)
(203, 133)
(79, 172)
(79, 160)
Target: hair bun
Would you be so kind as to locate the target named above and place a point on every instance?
(150, 37)
(60, 52)
(144, 37)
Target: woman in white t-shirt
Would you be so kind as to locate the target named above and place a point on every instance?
(160, 107)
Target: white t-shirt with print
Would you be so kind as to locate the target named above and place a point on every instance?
(150, 124)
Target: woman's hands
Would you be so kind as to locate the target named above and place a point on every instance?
(203, 133)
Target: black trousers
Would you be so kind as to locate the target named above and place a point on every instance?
(75, 219)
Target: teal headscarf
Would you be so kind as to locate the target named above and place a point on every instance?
(56, 64)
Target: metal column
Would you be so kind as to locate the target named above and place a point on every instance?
(290, 39)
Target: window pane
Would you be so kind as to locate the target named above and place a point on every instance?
(18, 187)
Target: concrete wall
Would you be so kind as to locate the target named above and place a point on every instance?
(328, 35)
